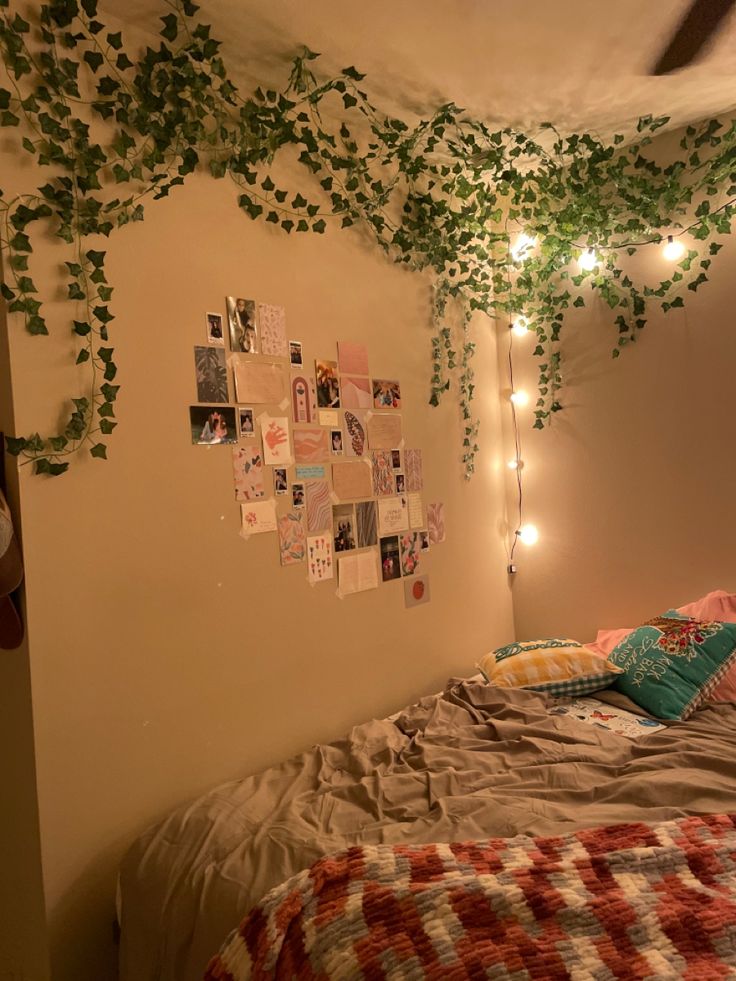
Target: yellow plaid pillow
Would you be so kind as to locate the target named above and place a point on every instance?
(558, 666)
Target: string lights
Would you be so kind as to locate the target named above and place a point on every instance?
(588, 259)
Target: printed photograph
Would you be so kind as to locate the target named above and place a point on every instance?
(295, 353)
(390, 564)
(245, 418)
(280, 480)
(424, 540)
(396, 459)
(297, 495)
(215, 334)
(336, 441)
(211, 374)
(328, 386)
(212, 424)
(241, 317)
(386, 394)
(400, 483)
(343, 526)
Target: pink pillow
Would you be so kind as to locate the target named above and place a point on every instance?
(718, 605)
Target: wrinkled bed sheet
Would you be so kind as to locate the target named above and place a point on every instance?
(470, 763)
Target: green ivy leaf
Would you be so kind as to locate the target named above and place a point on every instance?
(99, 450)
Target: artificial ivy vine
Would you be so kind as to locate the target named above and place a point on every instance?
(448, 195)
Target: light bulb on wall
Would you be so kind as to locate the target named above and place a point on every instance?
(519, 398)
(523, 246)
(528, 534)
(588, 260)
(515, 464)
(520, 326)
(674, 249)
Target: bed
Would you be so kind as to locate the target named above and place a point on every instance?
(472, 763)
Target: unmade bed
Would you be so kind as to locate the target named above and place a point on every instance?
(471, 763)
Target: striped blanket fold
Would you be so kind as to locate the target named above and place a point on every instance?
(627, 902)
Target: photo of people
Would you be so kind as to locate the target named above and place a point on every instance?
(214, 329)
(336, 440)
(241, 315)
(212, 424)
(424, 540)
(245, 417)
(280, 481)
(328, 386)
(390, 565)
(295, 353)
(400, 483)
(386, 394)
(343, 526)
(297, 495)
(396, 459)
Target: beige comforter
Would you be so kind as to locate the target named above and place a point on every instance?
(471, 763)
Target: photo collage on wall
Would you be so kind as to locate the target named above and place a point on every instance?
(319, 456)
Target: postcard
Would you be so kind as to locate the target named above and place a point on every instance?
(248, 472)
(241, 318)
(329, 417)
(259, 381)
(210, 424)
(311, 445)
(328, 384)
(352, 358)
(258, 517)
(272, 328)
(386, 394)
(319, 558)
(276, 445)
(215, 333)
(356, 573)
(384, 430)
(351, 481)
(393, 515)
(292, 539)
(390, 568)
(416, 512)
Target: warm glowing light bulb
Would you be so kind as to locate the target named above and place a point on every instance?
(520, 326)
(523, 245)
(528, 534)
(515, 464)
(674, 249)
(588, 259)
(519, 398)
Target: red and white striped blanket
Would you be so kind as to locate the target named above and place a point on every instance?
(627, 901)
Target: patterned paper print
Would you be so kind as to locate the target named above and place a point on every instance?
(436, 523)
(272, 322)
(356, 393)
(258, 517)
(292, 540)
(319, 557)
(311, 445)
(319, 505)
(303, 398)
(410, 549)
(248, 471)
(276, 446)
(352, 358)
(365, 523)
(355, 444)
(383, 475)
(413, 470)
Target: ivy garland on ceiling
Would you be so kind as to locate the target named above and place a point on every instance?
(449, 194)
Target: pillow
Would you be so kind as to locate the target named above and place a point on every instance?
(672, 663)
(557, 667)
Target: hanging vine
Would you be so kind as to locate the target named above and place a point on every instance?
(446, 195)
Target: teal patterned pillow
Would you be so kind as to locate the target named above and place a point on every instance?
(672, 663)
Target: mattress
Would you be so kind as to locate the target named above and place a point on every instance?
(470, 763)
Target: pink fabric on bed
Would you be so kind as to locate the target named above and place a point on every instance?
(718, 605)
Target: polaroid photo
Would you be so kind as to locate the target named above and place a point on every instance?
(280, 481)
(386, 394)
(396, 459)
(336, 441)
(297, 495)
(241, 318)
(424, 539)
(400, 483)
(390, 563)
(246, 422)
(212, 424)
(328, 385)
(343, 527)
(295, 354)
(215, 333)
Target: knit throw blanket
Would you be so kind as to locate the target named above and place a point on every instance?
(627, 901)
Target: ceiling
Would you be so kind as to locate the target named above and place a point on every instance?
(581, 64)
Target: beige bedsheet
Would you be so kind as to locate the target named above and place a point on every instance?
(471, 763)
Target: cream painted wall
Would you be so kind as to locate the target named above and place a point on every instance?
(633, 487)
(167, 654)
